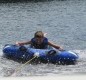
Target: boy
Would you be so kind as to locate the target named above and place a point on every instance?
(39, 42)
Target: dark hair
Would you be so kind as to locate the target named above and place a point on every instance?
(39, 34)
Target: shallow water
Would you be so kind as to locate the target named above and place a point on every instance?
(64, 23)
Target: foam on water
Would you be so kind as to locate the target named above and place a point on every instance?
(10, 67)
(1, 48)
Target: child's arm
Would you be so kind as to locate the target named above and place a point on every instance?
(23, 43)
(55, 46)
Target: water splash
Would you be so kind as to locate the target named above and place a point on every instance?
(1, 52)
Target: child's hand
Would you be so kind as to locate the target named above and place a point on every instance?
(61, 49)
(19, 44)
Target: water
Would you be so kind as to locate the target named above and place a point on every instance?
(63, 21)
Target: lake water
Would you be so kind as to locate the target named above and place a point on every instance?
(63, 21)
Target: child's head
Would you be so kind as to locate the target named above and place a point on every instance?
(39, 35)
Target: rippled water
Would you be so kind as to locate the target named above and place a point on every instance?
(63, 21)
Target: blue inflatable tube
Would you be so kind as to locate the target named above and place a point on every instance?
(22, 53)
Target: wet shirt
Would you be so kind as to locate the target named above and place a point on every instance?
(43, 45)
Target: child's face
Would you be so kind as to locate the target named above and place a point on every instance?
(39, 40)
